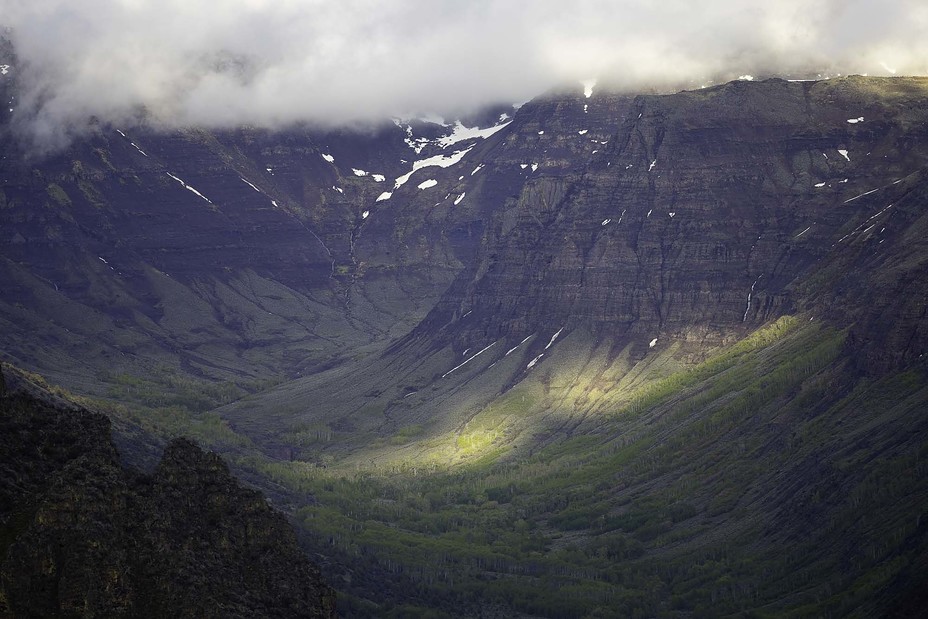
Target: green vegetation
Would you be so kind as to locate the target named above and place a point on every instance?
(725, 488)
(733, 487)
(58, 195)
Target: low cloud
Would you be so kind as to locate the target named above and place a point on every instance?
(275, 62)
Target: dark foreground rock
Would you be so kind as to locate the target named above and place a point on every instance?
(81, 536)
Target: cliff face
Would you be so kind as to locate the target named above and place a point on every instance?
(83, 537)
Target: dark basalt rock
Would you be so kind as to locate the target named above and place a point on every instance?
(81, 536)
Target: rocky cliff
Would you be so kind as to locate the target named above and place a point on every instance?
(81, 536)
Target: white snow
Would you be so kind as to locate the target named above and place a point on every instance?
(844, 181)
(102, 260)
(469, 359)
(820, 184)
(588, 86)
(250, 185)
(534, 167)
(325, 156)
(532, 363)
(844, 153)
(384, 196)
(4, 69)
(554, 337)
(365, 214)
(188, 187)
(338, 189)
(605, 221)
(750, 294)
(138, 149)
(803, 232)
(854, 121)
(269, 171)
(429, 183)
(586, 108)
(379, 177)
(541, 133)
(462, 133)
(459, 198)
(513, 349)
(477, 169)
(866, 193)
(672, 213)
(747, 78)
(274, 202)
(523, 165)
(583, 131)
(358, 172)
(649, 212)
(653, 163)
(441, 161)
(652, 343)
(120, 133)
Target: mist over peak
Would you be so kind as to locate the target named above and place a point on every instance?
(271, 64)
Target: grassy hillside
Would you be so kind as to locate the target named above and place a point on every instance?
(769, 478)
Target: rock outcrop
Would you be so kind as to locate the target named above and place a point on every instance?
(81, 536)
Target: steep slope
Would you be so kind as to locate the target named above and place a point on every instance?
(654, 230)
(82, 536)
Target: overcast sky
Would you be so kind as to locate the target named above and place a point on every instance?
(272, 62)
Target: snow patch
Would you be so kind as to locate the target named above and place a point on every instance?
(803, 232)
(534, 167)
(250, 185)
(653, 163)
(583, 131)
(365, 214)
(440, 161)
(429, 183)
(513, 349)
(379, 177)
(523, 165)
(854, 121)
(541, 133)
(384, 196)
(461, 133)
(459, 198)
(325, 156)
(358, 172)
(532, 363)
(652, 343)
(672, 213)
(750, 294)
(843, 153)
(468, 360)
(819, 184)
(746, 78)
(605, 221)
(189, 188)
(554, 337)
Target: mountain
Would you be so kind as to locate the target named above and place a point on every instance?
(606, 354)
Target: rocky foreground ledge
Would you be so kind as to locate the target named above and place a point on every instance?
(82, 536)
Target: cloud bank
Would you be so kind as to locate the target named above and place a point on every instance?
(275, 62)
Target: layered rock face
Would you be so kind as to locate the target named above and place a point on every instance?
(80, 536)
(697, 216)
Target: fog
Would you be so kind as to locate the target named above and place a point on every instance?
(271, 63)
